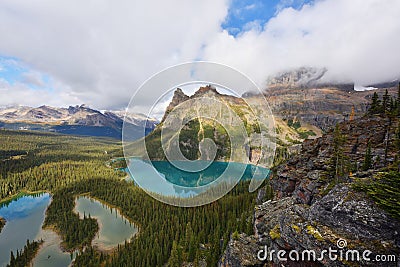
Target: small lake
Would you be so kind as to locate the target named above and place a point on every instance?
(114, 228)
(24, 219)
(25, 215)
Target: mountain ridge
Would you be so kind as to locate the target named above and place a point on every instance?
(79, 119)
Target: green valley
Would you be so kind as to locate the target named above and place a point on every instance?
(69, 166)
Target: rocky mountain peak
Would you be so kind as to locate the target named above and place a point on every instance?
(206, 90)
(179, 96)
(301, 77)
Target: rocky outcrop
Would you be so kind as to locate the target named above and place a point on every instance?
(307, 175)
(342, 214)
(209, 115)
(241, 251)
(307, 95)
(314, 211)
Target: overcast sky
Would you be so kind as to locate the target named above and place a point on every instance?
(99, 52)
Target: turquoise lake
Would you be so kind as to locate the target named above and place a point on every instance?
(165, 178)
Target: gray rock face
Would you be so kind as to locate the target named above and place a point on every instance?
(241, 252)
(301, 77)
(352, 214)
(341, 214)
(322, 105)
(179, 97)
(313, 210)
(307, 175)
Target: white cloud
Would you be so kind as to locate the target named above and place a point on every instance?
(250, 7)
(99, 52)
(33, 78)
(21, 94)
(356, 40)
(102, 50)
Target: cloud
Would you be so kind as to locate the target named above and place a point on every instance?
(33, 78)
(102, 51)
(22, 94)
(296, 4)
(99, 52)
(356, 40)
(250, 7)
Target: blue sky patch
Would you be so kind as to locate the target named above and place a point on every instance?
(245, 15)
(15, 71)
(11, 69)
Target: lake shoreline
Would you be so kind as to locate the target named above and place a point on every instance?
(22, 193)
(52, 239)
(100, 247)
(2, 223)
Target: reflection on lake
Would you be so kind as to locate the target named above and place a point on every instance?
(24, 218)
(25, 215)
(114, 228)
(164, 178)
(50, 254)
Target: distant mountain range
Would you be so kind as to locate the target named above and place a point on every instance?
(300, 97)
(78, 120)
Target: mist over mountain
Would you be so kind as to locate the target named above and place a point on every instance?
(305, 94)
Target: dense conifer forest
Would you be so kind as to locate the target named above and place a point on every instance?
(69, 166)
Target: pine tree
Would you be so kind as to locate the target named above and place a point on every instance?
(352, 114)
(192, 249)
(397, 138)
(368, 158)
(375, 104)
(392, 107)
(338, 159)
(398, 101)
(385, 102)
(174, 259)
(12, 259)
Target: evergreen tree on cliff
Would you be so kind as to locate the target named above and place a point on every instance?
(398, 101)
(338, 160)
(375, 104)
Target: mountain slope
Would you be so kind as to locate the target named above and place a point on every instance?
(215, 116)
(79, 120)
(199, 128)
(304, 94)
